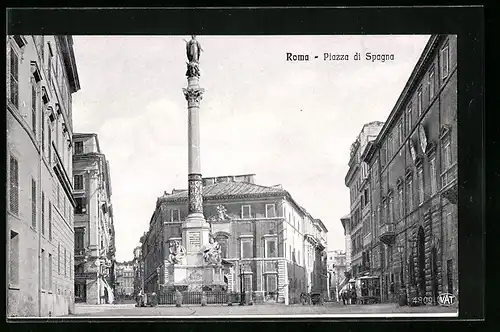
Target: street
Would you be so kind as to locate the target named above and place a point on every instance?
(331, 308)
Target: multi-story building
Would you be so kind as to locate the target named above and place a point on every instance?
(263, 233)
(336, 269)
(138, 271)
(314, 234)
(41, 78)
(94, 227)
(413, 180)
(346, 222)
(125, 280)
(360, 217)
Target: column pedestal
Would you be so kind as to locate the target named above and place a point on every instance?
(194, 277)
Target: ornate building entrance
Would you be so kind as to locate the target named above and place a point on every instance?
(421, 261)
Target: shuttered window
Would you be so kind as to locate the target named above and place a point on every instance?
(50, 221)
(33, 107)
(33, 203)
(14, 186)
(14, 78)
(43, 213)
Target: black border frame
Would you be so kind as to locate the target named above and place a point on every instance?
(466, 22)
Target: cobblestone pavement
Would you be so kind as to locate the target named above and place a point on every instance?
(267, 309)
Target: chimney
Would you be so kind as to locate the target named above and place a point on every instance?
(208, 181)
(249, 178)
(221, 179)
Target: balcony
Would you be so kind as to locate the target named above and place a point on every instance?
(367, 239)
(322, 241)
(449, 188)
(387, 234)
(79, 252)
(85, 275)
(449, 176)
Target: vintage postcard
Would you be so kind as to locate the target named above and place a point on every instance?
(232, 175)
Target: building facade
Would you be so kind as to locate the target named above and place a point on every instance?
(315, 260)
(336, 270)
(94, 227)
(346, 222)
(413, 181)
(138, 270)
(41, 78)
(125, 276)
(360, 217)
(265, 236)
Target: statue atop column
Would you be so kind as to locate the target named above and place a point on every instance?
(193, 52)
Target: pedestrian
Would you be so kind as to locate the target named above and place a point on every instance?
(353, 296)
(343, 295)
(138, 299)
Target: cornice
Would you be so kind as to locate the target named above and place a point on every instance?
(416, 74)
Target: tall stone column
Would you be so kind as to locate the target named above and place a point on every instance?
(193, 94)
(195, 229)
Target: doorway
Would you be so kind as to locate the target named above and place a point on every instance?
(434, 275)
(386, 288)
(421, 261)
(80, 293)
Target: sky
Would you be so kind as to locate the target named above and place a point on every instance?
(288, 122)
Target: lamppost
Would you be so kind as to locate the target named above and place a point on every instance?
(158, 270)
(242, 291)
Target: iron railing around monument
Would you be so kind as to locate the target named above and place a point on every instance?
(190, 297)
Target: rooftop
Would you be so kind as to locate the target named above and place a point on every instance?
(235, 187)
(87, 135)
(227, 190)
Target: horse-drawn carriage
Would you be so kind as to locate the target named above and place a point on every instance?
(368, 289)
(314, 298)
(362, 290)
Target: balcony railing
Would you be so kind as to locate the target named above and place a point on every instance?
(85, 275)
(367, 239)
(449, 176)
(79, 252)
(387, 233)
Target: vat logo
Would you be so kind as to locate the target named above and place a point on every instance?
(446, 299)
